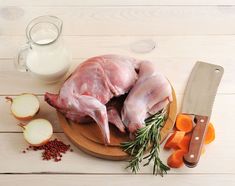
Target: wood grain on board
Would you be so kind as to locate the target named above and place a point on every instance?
(88, 137)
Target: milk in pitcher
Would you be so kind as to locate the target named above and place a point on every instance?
(48, 63)
(47, 58)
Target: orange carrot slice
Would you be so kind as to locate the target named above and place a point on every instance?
(210, 134)
(167, 144)
(174, 140)
(176, 159)
(184, 123)
(184, 144)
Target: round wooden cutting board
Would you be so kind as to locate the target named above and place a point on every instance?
(88, 138)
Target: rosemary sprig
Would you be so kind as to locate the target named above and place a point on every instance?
(147, 138)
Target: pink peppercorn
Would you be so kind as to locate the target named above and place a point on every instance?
(52, 150)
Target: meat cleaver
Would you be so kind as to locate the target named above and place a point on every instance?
(198, 100)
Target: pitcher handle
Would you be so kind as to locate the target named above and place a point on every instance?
(20, 61)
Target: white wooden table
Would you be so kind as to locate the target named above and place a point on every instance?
(185, 31)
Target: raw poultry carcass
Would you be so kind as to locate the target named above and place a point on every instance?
(91, 86)
(95, 82)
(151, 93)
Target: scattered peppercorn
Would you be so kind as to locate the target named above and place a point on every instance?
(52, 150)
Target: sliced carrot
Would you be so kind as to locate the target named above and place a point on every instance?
(184, 123)
(210, 134)
(184, 144)
(175, 160)
(167, 144)
(174, 140)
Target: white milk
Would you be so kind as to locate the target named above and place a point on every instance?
(48, 62)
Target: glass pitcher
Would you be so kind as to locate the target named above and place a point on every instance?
(44, 55)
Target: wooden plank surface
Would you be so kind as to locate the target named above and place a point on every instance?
(126, 20)
(185, 31)
(198, 47)
(114, 2)
(170, 67)
(14, 161)
(174, 60)
(91, 180)
(78, 162)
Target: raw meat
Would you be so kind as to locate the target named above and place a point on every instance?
(151, 93)
(92, 85)
(114, 118)
(114, 107)
(87, 93)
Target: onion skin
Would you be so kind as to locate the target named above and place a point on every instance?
(25, 118)
(40, 144)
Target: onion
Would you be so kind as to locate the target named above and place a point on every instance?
(24, 106)
(37, 132)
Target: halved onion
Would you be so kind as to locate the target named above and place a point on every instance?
(37, 132)
(24, 106)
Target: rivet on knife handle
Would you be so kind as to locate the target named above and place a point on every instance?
(192, 157)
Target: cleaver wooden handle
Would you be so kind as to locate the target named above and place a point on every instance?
(197, 141)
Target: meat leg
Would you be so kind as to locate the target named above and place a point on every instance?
(82, 105)
(96, 110)
(115, 119)
(150, 94)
